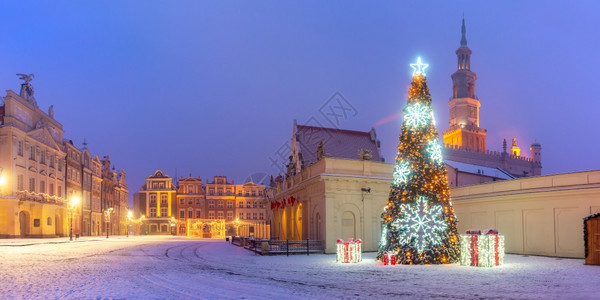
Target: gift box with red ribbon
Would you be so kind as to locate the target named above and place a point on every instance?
(349, 251)
(482, 250)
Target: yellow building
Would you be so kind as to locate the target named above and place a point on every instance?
(538, 215)
(156, 202)
(32, 162)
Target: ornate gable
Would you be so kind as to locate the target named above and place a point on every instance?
(42, 135)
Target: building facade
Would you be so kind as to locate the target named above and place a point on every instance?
(156, 202)
(33, 199)
(220, 198)
(465, 140)
(191, 202)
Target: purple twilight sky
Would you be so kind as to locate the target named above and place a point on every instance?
(212, 88)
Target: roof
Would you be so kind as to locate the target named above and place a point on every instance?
(340, 143)
(479, 170)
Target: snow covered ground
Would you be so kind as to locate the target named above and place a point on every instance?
(177, 268)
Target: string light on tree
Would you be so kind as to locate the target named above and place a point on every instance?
(418, 115)
(419, 224)
(435, 152)
(401, 173)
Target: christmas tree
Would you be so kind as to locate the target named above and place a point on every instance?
(419, 225)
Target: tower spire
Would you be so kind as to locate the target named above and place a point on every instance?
(463, 40)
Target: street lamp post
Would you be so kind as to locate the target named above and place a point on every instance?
(129, 215)
(107, 219)
(72, 205)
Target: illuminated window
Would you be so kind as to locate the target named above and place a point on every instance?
(229, 216)
(153, 212)
(211, 204)
(163, 199)
(241, 204)
(163, 211)
(220, 204)
(249, 204)
(220, 215)
(211, 214)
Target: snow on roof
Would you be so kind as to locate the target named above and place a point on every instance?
(340, 143)
(480, 170)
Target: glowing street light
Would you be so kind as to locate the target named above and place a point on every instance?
(72, 206)
(129, 216)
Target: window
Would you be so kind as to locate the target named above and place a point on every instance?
(261, 205)
(198, 214)
(220, 204)
(229, 216)
(254, 216)
(182, 229)
(248, 216)
(153, 212)
(220, 192)
(20, 185)
(262, 216)
(211, 204)
(42, 186)
(43, 157)
(59, 191)
(20, 148)
(32, 184)
(163, 199)
(181, 201)
(211, 214)
(248, 204)
(32, 152)
(229, 204)
(239, 192)
(241, 216)
(241, 204)
(190, 214)
(60, 165)
(247, 193)
(152, 198)
(220, 215)
(190, 190)
(198, 201)
(51, 189)
(211, 192)
(260, 193)
(163, 211)
(182, 214)
(254, 204)
(190, 201)
(253, 193)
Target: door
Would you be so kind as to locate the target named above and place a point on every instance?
(23, 224)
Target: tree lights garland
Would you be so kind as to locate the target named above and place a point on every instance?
(419, 224)
(401, 173)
